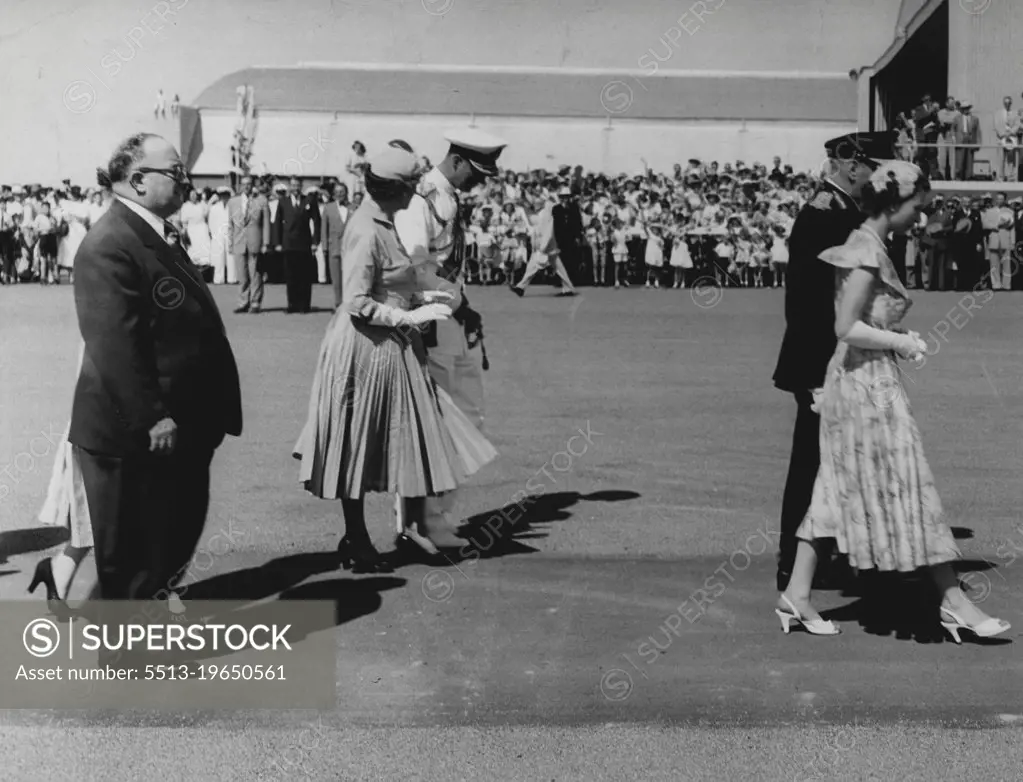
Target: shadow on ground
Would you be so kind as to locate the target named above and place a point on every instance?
(905, 605)
(501, 532)
(27, 541)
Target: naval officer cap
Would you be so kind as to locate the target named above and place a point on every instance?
(480, 148)
(871, 148)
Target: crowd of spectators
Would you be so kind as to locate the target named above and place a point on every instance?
(727, 223)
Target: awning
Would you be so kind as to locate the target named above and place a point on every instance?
(912, 16)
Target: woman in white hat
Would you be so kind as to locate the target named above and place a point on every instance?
(377, 422)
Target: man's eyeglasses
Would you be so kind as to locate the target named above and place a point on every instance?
(177, 173)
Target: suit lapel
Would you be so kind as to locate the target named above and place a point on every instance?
(172, 258)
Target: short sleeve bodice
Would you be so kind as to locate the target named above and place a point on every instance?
(888, 301)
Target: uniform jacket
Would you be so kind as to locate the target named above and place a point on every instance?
(809, 342)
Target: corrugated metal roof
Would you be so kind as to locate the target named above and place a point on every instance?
(542, 93)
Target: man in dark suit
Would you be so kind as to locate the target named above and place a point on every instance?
(568, 233)
(248, 239)
(809, 343)
(297, 237)
(158, 388)
(335, 218)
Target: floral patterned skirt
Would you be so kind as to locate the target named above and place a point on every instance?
(874, 491)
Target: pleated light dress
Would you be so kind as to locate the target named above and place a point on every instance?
(377, 422)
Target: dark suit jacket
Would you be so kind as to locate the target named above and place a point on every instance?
(291, 229)
(810, 341)
(155, 345)
(332, 229)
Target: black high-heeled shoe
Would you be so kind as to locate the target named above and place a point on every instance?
(362, 557)
(44, 575)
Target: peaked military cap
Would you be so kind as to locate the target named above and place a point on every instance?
(872, 147)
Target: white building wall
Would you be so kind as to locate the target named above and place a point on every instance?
(317, 144)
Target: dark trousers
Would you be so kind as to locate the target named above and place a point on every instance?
(299, 273)
(148, 513)
(803, 466)
(334, 270)
(937, 269)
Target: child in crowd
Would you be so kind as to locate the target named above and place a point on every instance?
(760, 259)
(488, 250)
(620, 252)
(725, 252)
(595, 239)
(681, 261)
(654, 255)
(742, 258)
(779, 257)
(46, 236)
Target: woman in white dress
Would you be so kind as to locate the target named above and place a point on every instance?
(76, 215)
(193, 220)
(65, 506)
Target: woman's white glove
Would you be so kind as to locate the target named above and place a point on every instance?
(818, 395)
(910, 346)
(427, 314)
(434, 297)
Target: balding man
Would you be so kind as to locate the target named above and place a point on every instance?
(158, 388)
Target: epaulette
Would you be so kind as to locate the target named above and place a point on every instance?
(823, 200)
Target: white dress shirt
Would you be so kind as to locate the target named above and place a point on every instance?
(158, 223)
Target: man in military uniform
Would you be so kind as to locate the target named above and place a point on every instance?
(431, 231)
(809, 343)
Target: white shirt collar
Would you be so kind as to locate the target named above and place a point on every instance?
(158, 223)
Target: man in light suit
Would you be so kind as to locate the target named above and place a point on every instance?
(948, 119)
(998, 220)
(335, 218)
(158, 388)
(1007, 127)
(967, 131)
(248, 237)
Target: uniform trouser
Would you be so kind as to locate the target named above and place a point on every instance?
(246, 265)
(1000, 265)
(539, 261)
(456, 370)
(804, 463)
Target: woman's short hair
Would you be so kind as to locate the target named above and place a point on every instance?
(891, 185)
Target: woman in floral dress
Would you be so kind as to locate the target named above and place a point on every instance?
(874, 492)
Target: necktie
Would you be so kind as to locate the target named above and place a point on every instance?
(171, 235)
(294, 201)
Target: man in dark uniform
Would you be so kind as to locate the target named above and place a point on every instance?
(809, 343)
